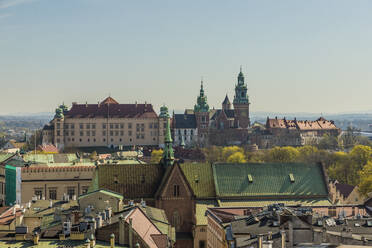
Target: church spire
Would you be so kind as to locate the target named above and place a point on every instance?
(168, 153)
(201, 105)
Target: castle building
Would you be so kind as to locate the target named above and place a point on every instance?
(106, 124)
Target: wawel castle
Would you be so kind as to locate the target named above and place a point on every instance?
(111, 124)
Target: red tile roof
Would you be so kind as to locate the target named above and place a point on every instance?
(110, 108)
(319, 124)
(47, 148)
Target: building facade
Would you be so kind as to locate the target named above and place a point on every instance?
(108, 124)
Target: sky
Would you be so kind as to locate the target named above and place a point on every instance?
(297, 56)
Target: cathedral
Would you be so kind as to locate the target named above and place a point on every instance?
(203, 126)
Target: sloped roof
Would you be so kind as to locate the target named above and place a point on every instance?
(111, 110)
(200, 178)
(184, 121)
(269, 180)
(344, 189)
(226, 101)
(201, 208)
(230, 113)
(133, 181)
(103, 191)
(5, 156)
(109, 100)
(261, 203)
(48, 148)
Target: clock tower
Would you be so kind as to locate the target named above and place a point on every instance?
(241, 103)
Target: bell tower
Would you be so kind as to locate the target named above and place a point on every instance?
(241, 103)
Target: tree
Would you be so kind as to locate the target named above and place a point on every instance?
(329, 142)
(93, 156)
(237, 157)
(230, 150)
(156, 156)
(350, 137)
(282, 154)
(365, 185)
(340, 168)
(213, 154)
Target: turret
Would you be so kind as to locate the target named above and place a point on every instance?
(168, 153)
(201, 102)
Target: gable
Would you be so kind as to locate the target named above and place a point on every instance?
(270, 180)
(176, 177)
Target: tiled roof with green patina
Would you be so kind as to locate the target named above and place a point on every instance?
(201, 207)
(200, 178)
(270, 180)
(103, 191)
(5, 156)
(264, 203)
(65, 158)
(133, 181)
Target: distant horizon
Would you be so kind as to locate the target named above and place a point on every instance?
(297, 56)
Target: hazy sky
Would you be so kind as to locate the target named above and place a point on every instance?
(297, 56)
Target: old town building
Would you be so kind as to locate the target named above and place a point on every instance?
(283, 132)
(106, 124)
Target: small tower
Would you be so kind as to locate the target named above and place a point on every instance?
(241, 103)
(163, 116)
(168, 154)
(226, 104)
(201, 111)
(58, 122)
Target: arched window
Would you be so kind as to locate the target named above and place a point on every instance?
(176, 220)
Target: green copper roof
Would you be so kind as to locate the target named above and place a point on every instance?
(269, 179)
(5, 156)
(201, 105)
(164, 112)
(200, 178)
(168, 153)
(264, 203)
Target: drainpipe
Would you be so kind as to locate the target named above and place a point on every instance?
(282, 232)
(130, 234)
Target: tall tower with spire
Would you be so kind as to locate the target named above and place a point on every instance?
(168, 153)
(201, 111)
(241, 103)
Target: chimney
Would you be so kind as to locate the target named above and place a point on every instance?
(130, 233)
(282, 233)
(121, 230)
(260, 240)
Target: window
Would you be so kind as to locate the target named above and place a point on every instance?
(104, 126)
(103, 133)
(53, 194)
(185, 132)
(150, 125)
(66, 133)
(39, 193)
(93, 126)
(81, 126)
(120, 139)
(71, 191)
(121, 133)
(72, 126)
(93, 133)
(81, 133)
(88, 133)
(138, 127)
(84, 189)
(58, 133)
(142, 136)
(121, 125)
(176, 221)
(104, 140)
(116, 133)
(72, 133)
(73, 139)
(155, 125)
(129, 125)
(58, 125)
(111, 126)
(88, 126)
(65, 126)
(201, 243)
(80, 140)
(137, 136)
(116, 125)
(111, 133)
(130, 133)
(176, 190)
